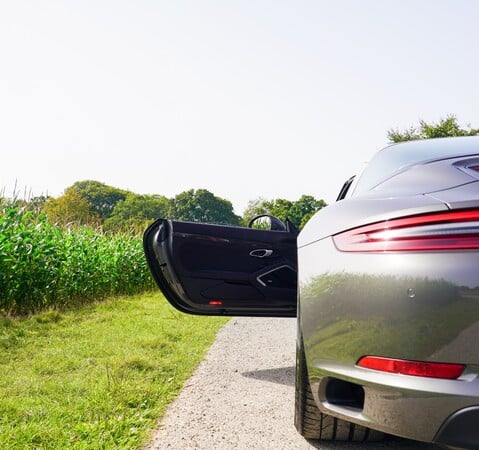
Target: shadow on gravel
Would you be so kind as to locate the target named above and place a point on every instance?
(281, 375)
(285, 376)
(389, 442)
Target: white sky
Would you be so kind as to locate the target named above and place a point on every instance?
(245, 98)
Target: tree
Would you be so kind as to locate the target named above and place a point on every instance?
(136, 211)
(70, 208)
(298, 212)
(100, 196)
(37, 203)
(202, 206)
(255, 208)
(444, 128)
(303, 209)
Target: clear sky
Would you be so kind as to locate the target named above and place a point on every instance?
(245, 98)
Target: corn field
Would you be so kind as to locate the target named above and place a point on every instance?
(43, 265)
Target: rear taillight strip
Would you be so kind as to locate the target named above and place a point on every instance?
(442, 231)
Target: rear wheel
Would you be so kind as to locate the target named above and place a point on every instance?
(312, 423)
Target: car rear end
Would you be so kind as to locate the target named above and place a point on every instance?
(389, 309)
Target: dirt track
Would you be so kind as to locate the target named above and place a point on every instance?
(242, 396)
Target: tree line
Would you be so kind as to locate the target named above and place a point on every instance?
(113, 209)
(94, 203)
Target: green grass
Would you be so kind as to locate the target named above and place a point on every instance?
(97, 377)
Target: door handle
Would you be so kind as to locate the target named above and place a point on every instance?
(261, 253)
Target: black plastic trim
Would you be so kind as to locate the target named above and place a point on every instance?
(460, 429)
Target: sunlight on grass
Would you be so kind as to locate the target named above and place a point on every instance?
(98, 376)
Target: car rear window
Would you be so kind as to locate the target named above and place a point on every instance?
(397, 157)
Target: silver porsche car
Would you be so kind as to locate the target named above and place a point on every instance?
(384, 284)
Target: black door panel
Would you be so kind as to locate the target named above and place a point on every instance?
(223, 270)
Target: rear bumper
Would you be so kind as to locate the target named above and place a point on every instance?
(423, 409)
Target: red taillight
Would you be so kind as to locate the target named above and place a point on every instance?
(440, 231)
(415, 368)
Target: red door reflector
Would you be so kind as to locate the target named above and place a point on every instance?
(215, 302)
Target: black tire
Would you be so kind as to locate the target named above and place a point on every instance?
(311, 423)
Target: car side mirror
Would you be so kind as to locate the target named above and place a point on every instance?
(267, 222)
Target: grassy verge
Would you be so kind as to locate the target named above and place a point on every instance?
(97, 377)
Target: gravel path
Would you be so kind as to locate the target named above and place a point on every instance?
(242, 395)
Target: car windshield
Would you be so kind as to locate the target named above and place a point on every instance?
(396, 157)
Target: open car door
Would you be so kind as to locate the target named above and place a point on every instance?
(224, 270)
